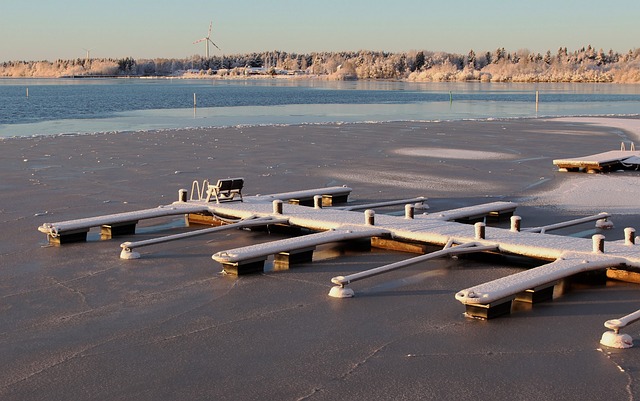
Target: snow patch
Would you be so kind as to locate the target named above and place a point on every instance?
(448, 153)
(397, 179)
(628, 124)
(617, 194)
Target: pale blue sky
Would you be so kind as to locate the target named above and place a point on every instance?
(52, 29)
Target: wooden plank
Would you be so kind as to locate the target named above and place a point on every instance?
(394, 245)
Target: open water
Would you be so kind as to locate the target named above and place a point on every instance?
(31, 107)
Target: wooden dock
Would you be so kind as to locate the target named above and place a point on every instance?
(602, 162)
(566, 256)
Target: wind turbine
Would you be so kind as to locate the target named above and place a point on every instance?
(206, 41)
(87, 61)
(88, 53)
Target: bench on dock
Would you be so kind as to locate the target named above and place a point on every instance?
(111, 225)
(288, 251)
(225, 190)
(494, 298)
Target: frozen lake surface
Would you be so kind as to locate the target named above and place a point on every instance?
(65, 106)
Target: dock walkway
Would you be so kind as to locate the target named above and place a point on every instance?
(567, 256)
(113, 224)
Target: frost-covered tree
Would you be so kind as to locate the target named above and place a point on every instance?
(498, 55)
(471, 59)
(582, 65)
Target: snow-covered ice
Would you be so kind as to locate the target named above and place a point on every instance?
(447, 153)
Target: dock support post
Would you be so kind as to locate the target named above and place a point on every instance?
(409, 211)
(537, 295)
(108, 231)
(598, 243)
(317, 202)
(277, 206)
(515, 223)
(182, 195)
(629, 236)
(287, 259)
(69, 237)
(480, 230)
(369, 217)
(247, 267)
(488, 311)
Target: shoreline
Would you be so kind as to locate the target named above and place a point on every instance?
(568, 118)
(480, 77)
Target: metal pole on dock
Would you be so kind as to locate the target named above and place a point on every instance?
(409, 211)
(515, 223)
(370, 217)
(598, 243)
(277, 206)
(629, 236)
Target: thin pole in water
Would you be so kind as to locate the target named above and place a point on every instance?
(27, 91)
(450, 97)
(537, 99)
(194, 105)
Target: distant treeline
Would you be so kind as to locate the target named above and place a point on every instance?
(584, 65)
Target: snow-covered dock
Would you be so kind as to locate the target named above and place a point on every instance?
(288, 251)
(567, 256)
(112, 224)
(602, 162)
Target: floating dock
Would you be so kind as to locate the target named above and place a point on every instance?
(602, 162)
(328, 221)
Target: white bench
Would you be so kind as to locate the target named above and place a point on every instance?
(226, 190)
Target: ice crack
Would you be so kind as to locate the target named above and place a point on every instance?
(629, 386)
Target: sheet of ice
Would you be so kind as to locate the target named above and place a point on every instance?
(627, 124)
(584, 193)
(423, 182)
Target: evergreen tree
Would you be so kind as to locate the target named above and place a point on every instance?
(488, 57)
(419, 60)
